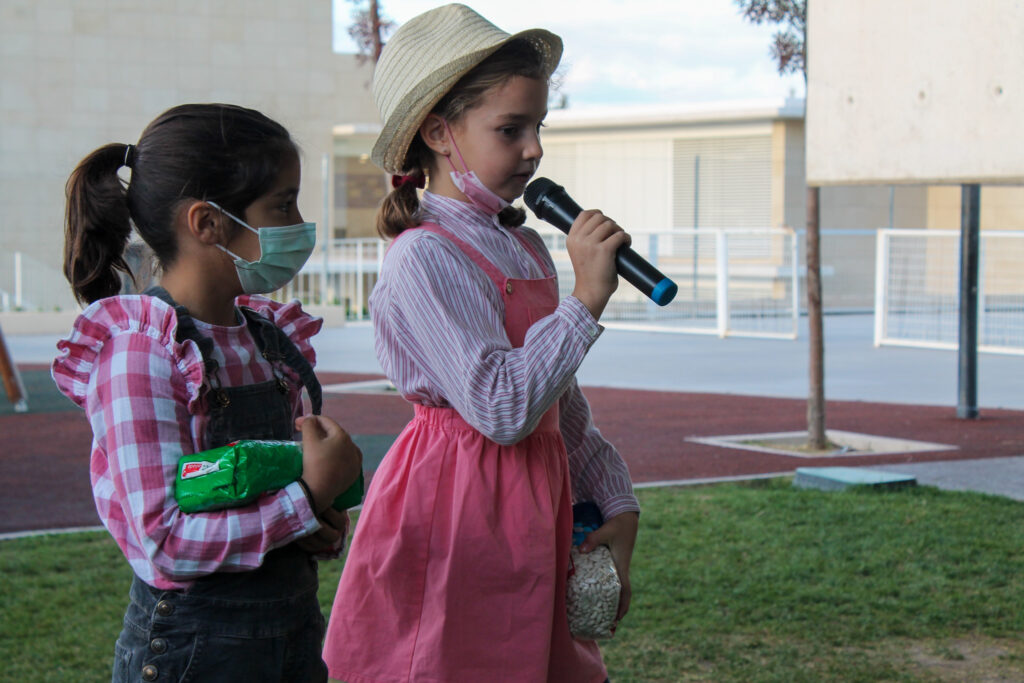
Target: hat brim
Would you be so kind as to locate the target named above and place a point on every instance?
(392, 145)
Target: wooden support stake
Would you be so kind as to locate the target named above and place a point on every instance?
(12, 380)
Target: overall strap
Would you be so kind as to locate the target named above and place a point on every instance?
(276, 347)
(187, 329)
(472, 252)
(531, 250)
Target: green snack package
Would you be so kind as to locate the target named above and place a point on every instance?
(239, 473)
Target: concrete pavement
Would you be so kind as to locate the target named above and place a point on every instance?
(698, 364)
(855, 370)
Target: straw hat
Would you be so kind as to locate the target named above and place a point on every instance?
(421, 62)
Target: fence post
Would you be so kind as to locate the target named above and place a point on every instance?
(359, 279)
(325, 172)
(652, 258)
(17, 281)
(722, 282)
(981, 289)
(794, 260)
(881, 284)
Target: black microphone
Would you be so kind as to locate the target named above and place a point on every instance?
(553, 204)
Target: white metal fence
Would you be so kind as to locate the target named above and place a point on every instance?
(731, 282)
(27, 284)
(741, 282)
(917, 289)
(343, 276)
(847, 270)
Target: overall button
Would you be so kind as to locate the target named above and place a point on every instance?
(149, 673)
(508, 287)
(164, 608)
(158, 646)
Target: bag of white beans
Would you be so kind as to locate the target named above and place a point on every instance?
(592, 594)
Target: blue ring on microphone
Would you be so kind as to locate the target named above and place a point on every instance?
(664, 292)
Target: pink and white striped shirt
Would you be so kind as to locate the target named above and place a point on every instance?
(439, 335)
(140, 390)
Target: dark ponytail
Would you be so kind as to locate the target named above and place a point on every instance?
(400, 209)
(219, 152)
(98, 225)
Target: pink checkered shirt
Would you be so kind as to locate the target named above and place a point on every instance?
(140, 391)
(438, 322)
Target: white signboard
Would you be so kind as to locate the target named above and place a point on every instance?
(915, 91)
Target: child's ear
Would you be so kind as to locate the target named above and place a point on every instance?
(435, 134)
(205, 223)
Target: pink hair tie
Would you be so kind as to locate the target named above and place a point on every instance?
(398, 180)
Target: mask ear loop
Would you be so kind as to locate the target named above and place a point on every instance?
(240, 222)
(457, 151)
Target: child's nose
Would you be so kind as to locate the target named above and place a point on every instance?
(533, 150)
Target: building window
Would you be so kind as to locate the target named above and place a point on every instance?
(722, 182)
(359, 187)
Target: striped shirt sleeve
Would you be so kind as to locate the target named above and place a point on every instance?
(439, 327)
(598, 472)
(137, 404)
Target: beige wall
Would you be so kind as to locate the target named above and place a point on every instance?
(77, 75)
(915, 91)
(790, 179)
(624, 161)
(1002, 207)
(626, 177)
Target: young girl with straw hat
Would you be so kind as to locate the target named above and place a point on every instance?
(458, 567)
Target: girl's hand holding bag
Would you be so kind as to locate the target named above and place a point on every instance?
(593, 588)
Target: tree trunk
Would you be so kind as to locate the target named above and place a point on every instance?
(378, 44)
(815, 326)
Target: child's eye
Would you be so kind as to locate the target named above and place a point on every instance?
(509, 131)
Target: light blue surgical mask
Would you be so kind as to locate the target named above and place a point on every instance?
(283, 252)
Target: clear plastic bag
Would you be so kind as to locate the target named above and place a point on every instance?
(592, 594)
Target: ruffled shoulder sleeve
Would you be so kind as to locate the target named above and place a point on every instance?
(297, 325)
(112, 317)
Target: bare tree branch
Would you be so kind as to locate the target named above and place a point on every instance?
(788, 48)
(369, 28)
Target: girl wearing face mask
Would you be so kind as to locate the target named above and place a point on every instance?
(193, 363)
(459, 562)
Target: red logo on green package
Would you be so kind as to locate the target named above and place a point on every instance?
(191, 470)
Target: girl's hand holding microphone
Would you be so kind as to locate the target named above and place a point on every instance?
(592, 242)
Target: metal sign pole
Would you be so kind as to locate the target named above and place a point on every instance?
(967, 376)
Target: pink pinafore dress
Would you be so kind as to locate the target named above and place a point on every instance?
(458, 567)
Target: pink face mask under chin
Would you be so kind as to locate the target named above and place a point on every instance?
(478, 194)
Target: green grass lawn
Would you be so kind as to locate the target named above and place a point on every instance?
(740, 582)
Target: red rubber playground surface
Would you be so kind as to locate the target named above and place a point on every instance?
(45, 452)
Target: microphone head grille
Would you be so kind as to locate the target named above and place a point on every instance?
(537, 189)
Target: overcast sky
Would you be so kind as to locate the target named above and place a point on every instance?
(621, 52)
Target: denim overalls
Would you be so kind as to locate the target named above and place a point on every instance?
(259, 625)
